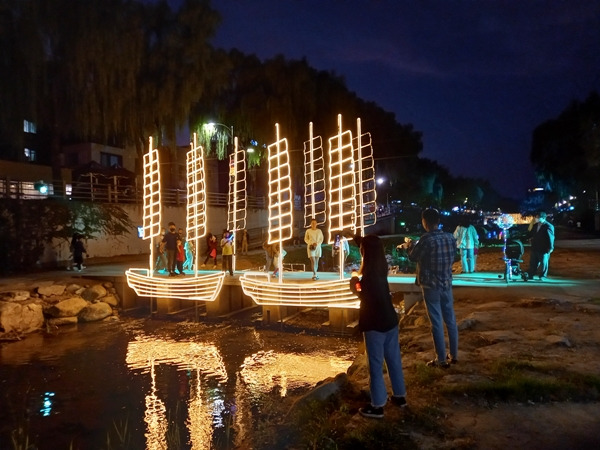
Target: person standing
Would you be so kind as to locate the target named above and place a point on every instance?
(314, 238)
(340, 244)
(542, 244)
(269, 254)
(170, 240)
(467, 241)
(434, 255)
(278, 255)
(78, 251)
(227, 251)
(161, 259)
(211, 250)
(180, 256)
(378, 321)
(245, 239)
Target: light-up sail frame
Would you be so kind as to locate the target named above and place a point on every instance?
(152, 206)
(366, 195)
(314, 180)
(196, 196)
(280, 191)
(237, 196)
(341, 201)
(281, 209)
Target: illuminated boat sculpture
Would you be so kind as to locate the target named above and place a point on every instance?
(346, 203)
(203, 287)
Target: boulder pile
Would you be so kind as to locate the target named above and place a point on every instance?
(54, 304)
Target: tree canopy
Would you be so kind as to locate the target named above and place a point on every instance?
(565, 151)
(104, 70)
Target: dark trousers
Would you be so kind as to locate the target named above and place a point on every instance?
(171, 261)
(228, 264)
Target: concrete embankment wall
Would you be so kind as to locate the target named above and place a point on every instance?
(103, 245)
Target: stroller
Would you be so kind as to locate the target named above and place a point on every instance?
(513, 257)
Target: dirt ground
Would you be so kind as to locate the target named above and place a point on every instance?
(554, 323)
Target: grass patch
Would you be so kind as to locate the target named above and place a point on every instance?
(524, 381)
(424, 376)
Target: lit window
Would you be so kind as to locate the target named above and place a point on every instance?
(110, 160)
(30, 154)
(29, 127)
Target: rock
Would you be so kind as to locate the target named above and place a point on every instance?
(558, 340)
(67, 308)
(93, 293)
(53, 289)
(112, 300)
(321, 393)
(467, 324)
(15, 317)
(60, 321)
(95, 311)
(14, 296)
(73, 288)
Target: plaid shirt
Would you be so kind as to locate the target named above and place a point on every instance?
(434, 254)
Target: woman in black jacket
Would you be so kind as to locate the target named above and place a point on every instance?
(378, 322)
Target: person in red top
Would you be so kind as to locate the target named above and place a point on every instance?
(180, 257)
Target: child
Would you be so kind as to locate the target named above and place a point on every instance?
(180, 257)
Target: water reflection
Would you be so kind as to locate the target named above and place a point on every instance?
(166, 385)
(193, 359)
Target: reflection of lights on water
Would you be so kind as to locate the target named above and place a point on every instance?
(197, 358)
(266, 370)
(47, 404)
(155, 417)
(185, 355)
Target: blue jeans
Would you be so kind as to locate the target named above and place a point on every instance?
(440, 307)
(467, 260)
(384, 346)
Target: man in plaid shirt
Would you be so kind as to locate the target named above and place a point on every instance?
(434, 255)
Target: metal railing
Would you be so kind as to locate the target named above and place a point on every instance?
(107, 193)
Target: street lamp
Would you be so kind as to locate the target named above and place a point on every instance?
(208, 132)
(213, 125)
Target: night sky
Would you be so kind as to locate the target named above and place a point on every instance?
(476, 77)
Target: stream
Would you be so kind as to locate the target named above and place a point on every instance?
(141, 383)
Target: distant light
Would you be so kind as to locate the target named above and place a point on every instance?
(250, 150)
(380, 180)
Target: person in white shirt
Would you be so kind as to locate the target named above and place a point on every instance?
(314, 238)
(467, 241)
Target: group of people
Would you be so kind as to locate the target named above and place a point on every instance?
(434, 254)
(540, 234)
(174, 252)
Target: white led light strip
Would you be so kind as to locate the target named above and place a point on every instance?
(341, 189)
(314, 180)
(237, 196)
(326, 294)
(199, 287)
(280, 191)
(196, 196)
(366, 195)
(152, 205)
